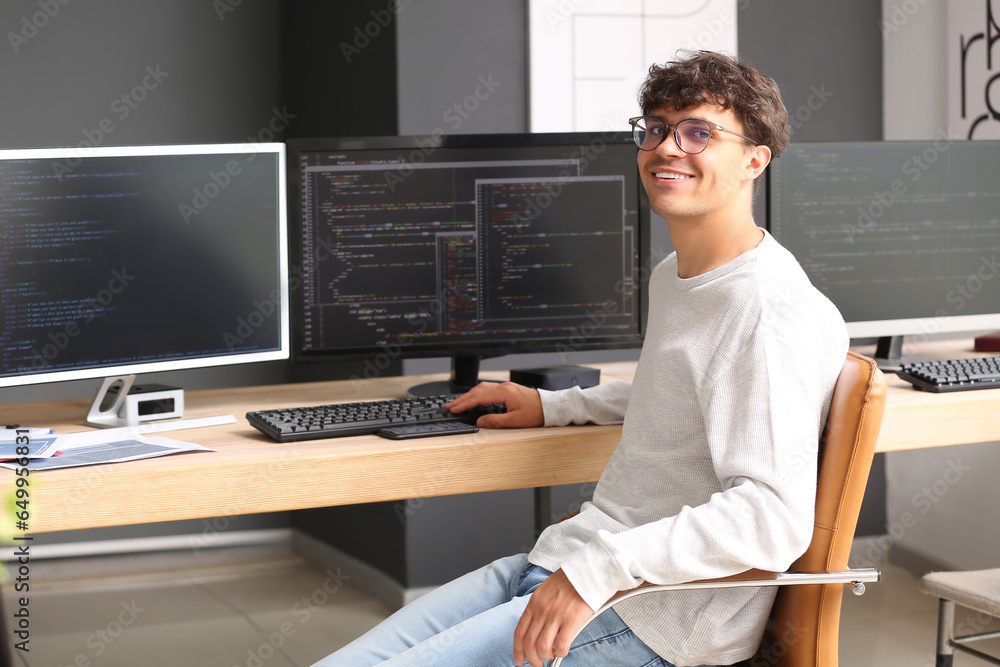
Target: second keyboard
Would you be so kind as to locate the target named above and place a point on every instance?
(361, 418)
(953, 374)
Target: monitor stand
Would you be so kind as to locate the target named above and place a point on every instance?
(889, 354)
(464, 376)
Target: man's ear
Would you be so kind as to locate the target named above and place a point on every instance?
(759, 158)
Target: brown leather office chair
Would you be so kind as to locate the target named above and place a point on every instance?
(804, 625)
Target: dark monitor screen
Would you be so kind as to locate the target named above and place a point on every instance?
(467, 246)
(129, 260)
(904, 236)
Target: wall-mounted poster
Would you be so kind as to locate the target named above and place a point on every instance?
(974, 69)
(588, 57)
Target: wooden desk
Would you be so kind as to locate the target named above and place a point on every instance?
(918, 419)
(249, 473)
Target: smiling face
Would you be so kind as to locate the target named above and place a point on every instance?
(718, 182)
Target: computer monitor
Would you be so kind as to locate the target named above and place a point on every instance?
(125, 260)
(466, 246)
(903, 236)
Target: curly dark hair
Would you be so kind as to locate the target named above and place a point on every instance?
(706, 77)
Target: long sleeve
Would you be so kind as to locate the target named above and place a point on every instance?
(603, 404)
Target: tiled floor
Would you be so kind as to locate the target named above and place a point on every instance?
(252, 608)
(261, 608)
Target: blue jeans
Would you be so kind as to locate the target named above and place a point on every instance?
(470, 623)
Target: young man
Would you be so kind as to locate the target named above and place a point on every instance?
(715, 472)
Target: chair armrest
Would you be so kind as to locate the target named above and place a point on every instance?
(856, 578)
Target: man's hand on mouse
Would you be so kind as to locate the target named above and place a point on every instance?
(524, 407)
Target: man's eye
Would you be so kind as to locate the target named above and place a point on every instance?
(656, 130)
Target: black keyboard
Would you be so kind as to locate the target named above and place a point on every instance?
(953, 374)
(343, 419)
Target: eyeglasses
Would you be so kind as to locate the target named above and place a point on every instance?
(691, 135)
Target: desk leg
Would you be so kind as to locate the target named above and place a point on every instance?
(543, 508)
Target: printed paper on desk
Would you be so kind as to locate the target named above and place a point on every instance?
(126, 449)
(38, 448)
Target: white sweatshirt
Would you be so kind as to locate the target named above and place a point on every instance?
(715, 472)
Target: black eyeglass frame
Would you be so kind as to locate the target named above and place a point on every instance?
(711, 126)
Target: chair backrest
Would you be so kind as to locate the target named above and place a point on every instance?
(805, 621)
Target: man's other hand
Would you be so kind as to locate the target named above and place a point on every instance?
(524, 407)
(552, 619)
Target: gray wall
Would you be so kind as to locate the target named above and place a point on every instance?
(827, 59)
(444, 48)
(220, 76)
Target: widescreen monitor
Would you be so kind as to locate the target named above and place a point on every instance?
(466, 246)
(123, 260)
(903, 236)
